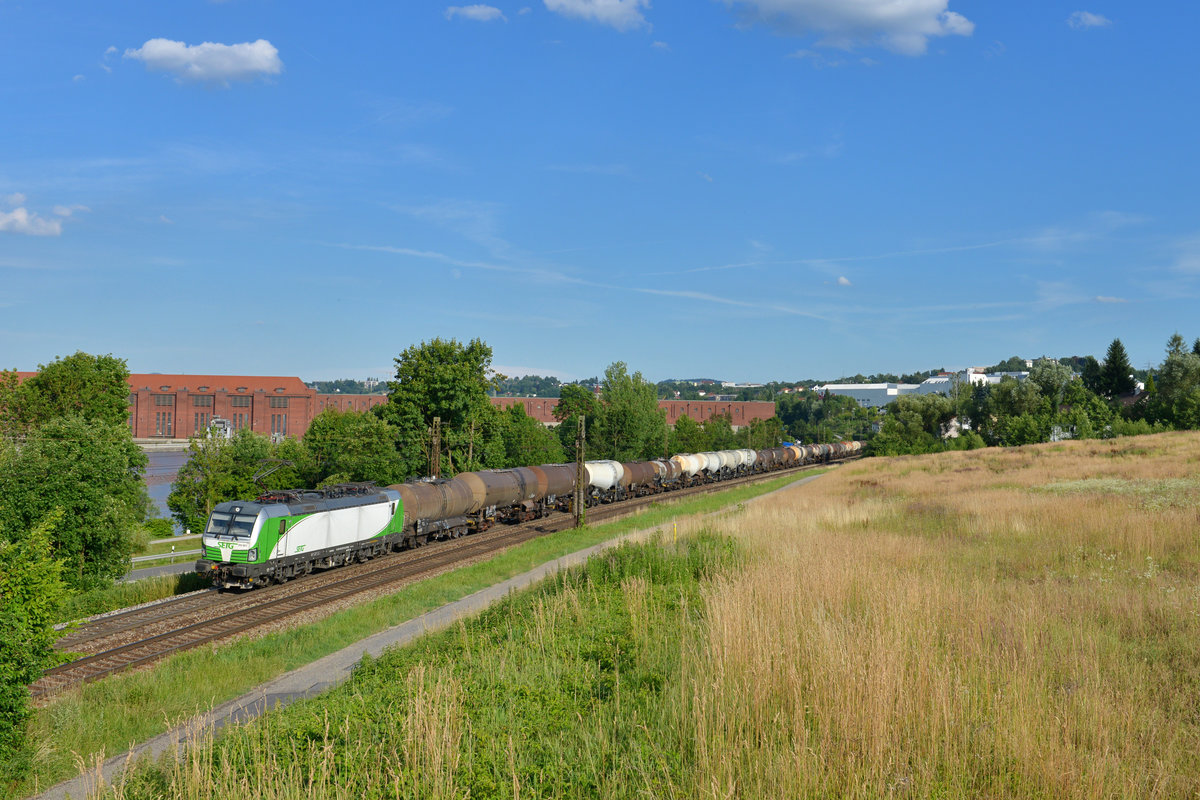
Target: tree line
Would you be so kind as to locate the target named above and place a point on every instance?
(1054, 402)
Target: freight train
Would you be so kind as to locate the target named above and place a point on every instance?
(284, 534)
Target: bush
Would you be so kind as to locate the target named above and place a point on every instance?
(159, 528)
(31, 591)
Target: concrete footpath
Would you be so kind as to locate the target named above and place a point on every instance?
(332, 670)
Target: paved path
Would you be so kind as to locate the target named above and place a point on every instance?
(154, 572)
(332, 670)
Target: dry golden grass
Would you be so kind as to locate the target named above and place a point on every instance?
(997, 623)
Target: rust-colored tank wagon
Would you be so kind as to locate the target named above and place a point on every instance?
(533, 482)
(668, 470)
(639, 474)
(490, 488)
(426, 501)
(560, 479)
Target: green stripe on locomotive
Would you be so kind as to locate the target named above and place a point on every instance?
(275, 523)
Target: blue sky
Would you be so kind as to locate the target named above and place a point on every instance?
(744, 189)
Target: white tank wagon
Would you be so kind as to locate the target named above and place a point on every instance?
(604, 480)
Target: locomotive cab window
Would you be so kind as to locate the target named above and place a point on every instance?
(238, 526)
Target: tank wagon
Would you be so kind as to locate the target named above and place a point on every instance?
(284, 534)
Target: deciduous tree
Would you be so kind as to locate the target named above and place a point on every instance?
(92, 472)
(354, 446)
(631, 425)
(446, 379)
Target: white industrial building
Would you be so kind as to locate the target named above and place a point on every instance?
(877, 395)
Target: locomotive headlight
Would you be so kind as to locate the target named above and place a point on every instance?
(253, 554)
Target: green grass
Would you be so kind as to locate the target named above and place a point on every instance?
(124, 595)
(1151, 494)
(111, 715)
(568, 689)
(160, 546)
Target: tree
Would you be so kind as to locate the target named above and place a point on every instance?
(574, 400)
(448, 380)
(1176, 345)
(1196, 347)
(718, 430)
(760, 433)
(631, 425)
(95, 388)
(1052, 379)
(92, 472)
(352, 446)
(688, 437)
(1177, 401)
(1090, 374)
(31, 593)
(1014, 364)
(219, 469)
(10, 404)
(527, 441)
(1116, 376)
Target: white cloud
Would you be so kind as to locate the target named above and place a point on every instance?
(210, 62)
(66, 211)
(705, 176)
(1086, 19)
(478, 12)
(524, 10)
(904, 26)
(1105, 299)
(165, 220)
(843, 281)
(660, 45)
(624, 15)
(78, 78)
(16, 199)
(20, 220)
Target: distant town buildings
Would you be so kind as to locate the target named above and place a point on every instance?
(877, 395)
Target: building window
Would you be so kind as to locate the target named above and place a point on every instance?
(279, 402)
(239, 402)
(202, 400)
(164, 399)
(162, 423)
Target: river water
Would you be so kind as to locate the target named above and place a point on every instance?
(160, 474)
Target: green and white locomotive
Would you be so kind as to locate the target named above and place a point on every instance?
(283, 534)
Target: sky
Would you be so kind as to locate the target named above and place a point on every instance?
(748, 190)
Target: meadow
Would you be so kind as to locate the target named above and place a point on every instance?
(999, 623)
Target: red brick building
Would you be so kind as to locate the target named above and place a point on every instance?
(180, 406)
(741, 413)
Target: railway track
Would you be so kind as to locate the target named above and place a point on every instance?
(230, 615)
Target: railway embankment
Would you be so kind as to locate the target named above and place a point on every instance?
(1019, 623)
(85, 724)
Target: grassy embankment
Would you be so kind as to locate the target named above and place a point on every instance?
(999, 623)
(105, 718)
